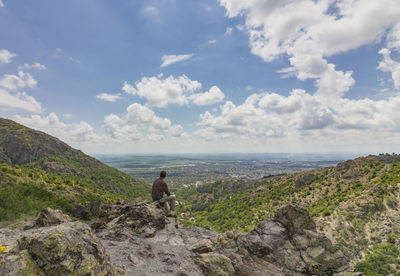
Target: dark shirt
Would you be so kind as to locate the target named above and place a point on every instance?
(159, 188)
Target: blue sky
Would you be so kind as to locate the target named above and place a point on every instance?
(204, 76)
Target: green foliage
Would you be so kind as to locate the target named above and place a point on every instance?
(96, 175)
(25, 192)
(380, 260)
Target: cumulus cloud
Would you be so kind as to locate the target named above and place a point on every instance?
(139, 122)
(11, 98)
(35, 65)
(213, 96)
(76, 132)
(276, 28)
(5, 55)
(108, 97)
(128, 89)
(285, 29)
(390, 66)
(245, 120)
(393, 38)
(155, 137)
(22, 80)
(160, 91)
(267, 115)
(19, 100)
(171, 59)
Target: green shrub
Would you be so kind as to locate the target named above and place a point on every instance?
(380, 260)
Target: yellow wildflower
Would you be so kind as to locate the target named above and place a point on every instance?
(2, 248)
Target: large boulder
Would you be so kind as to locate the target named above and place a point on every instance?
(215, 264)
(287, 244)
(66, 249)
(138, 217)
(294, 218)
(202, 246)
(49, 217)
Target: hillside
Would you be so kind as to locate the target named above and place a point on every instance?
(355, 204)
(38, 170)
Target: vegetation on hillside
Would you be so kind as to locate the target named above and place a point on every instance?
(355, 203)
(38, 171)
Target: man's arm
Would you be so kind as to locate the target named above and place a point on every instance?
(166, 189)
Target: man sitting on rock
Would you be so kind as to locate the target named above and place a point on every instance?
(157, 193)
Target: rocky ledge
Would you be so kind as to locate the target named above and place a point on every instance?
(136, 238)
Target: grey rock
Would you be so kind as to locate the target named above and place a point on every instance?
(202, 246)
(49, 217)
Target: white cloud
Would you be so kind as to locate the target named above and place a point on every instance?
(35, 65)
(394, 38)
(390, 66)
(155, 137)
(244, 121)
(162, 92)
(109, 97)
(68, 115)
(268, 115)
(19, 100)
(170, 59)
(212, 41)
(5, 55)
(285, 29)
(213, 96)
(128, 89)
(229, 31)
(276, 28)
(1, 4)
(76, 132)
(138, 123)
(13, 82)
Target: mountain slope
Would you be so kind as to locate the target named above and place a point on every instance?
(355, 204)
(37, 150)
(38, 170)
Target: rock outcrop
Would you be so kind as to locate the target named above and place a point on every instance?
(137, 239)
(58, 247)
(49, 217)
(126, 219)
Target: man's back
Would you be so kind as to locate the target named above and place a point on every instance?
(159, 188)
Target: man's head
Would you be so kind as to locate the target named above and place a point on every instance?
(163, 174)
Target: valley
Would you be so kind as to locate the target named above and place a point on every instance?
(188, 170)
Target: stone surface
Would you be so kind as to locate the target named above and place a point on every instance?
(215, 264)
(202, 246)
(131, 218)
(49, 217)
(137, 239)
(66, 249)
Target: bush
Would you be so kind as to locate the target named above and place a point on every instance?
(379, 261)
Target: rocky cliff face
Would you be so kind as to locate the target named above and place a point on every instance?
(137, 239)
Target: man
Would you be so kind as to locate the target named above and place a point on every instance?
(157, 193)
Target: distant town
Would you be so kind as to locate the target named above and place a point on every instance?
(195, 170)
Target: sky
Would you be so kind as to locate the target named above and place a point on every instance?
(210, 76)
